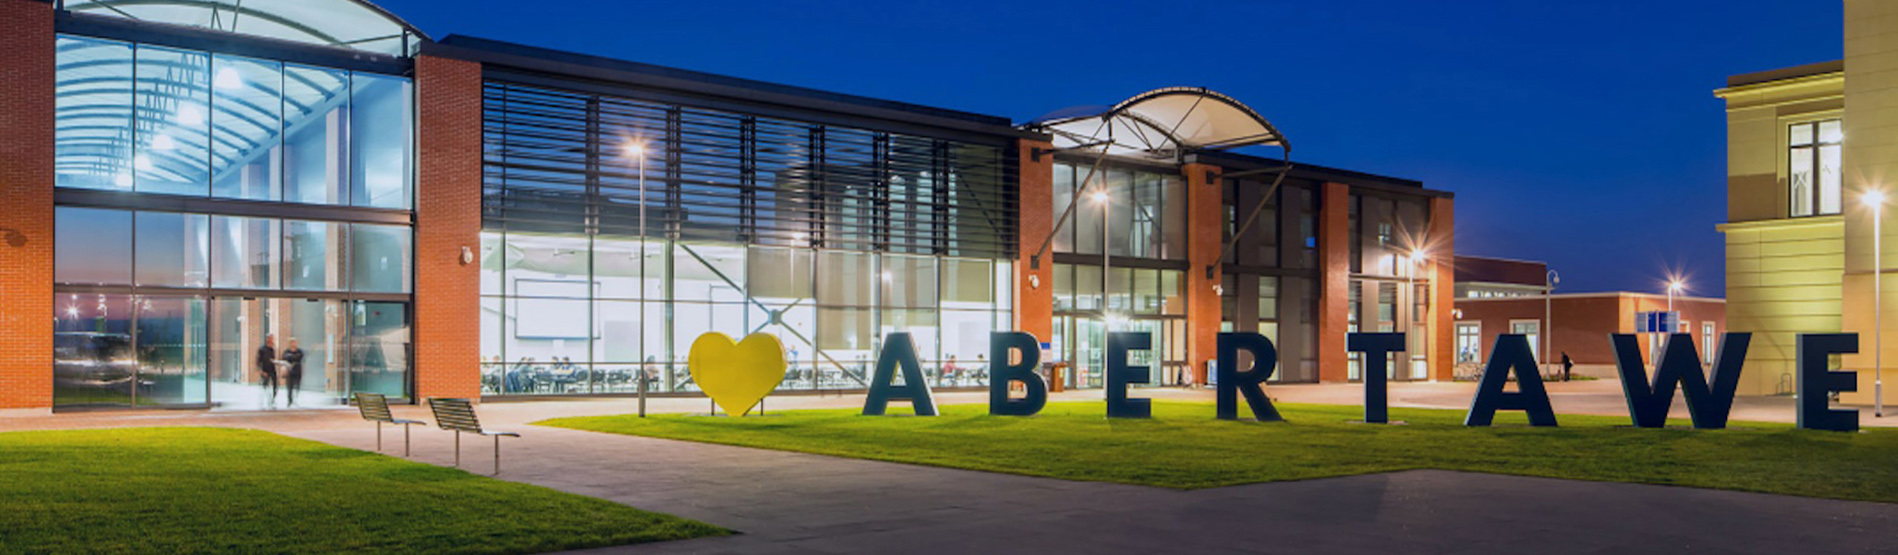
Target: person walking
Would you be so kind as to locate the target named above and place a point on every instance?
(1568, 364)
(293, 372)
(267, 366)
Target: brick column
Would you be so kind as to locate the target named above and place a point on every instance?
(1034, 288)
(447, 220)
(26, 204)
(1441, 350)
(1334, 281)
(1205, 242)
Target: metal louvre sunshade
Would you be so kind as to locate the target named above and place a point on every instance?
(1162, 123)
(352, 24)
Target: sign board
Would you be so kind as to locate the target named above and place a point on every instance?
(1657, 321)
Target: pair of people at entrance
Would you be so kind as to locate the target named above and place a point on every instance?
(287, 368)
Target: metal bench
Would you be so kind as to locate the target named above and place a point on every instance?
(458, 415)
(375, 408)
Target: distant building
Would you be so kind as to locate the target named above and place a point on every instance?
(1499, 296)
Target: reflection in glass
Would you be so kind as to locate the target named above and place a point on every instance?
(92, 246)
(171, 350)
(380, 120)
(93, 356)
(172, 249)
(379, 351)
(312, 260)
(379, 258)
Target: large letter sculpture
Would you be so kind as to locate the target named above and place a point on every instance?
(1119, 374)
(899, 350)
(1232, 381)
(1003, 346)
(1816, 381)
(1511, 354)
(1376, 348)
(1708, 401)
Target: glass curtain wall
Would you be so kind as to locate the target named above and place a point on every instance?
(149, 119)
(1389, 286)
(1270, 283)
(170, 308)
(1141, 225)
(827, 237)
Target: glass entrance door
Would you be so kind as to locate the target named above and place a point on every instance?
(379, 348)
(345, 346)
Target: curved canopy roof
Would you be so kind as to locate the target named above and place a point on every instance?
(352, 24)
(1162, 123)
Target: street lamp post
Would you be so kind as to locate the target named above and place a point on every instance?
(1548, 319)
(1410, 293)
(1674, 287)
(1106, 215)
(1876, 200)
(638, 150)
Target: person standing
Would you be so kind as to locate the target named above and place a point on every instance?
(293, 372)
(267, 366)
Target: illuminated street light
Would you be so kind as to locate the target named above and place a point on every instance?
(1674, 287)
(637, 149)
(1875, 200)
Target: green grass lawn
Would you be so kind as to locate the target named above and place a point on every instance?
(1184, 447)
(214, 490)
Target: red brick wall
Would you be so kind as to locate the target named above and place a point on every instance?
(1205, 242)
(26, 214)
(1334, 281)
(1441, 245)
(1034, 304)
(447, 220)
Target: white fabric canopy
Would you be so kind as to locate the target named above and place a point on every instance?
(1163, 123)
(353, 24)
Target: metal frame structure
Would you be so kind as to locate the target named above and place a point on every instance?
(1127, 128)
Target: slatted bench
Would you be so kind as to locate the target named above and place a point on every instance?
(458, 415)
(375, 408)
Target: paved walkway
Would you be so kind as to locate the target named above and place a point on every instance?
(796, 503)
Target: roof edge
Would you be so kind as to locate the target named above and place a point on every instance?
(1785, 73)
(463, 46)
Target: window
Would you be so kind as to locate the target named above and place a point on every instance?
(1469, 342)
(1707, 344)
(379, 258)
(92, 246)
(1814, 156)
(1146, 213)
(150, 119)
(1532, 329)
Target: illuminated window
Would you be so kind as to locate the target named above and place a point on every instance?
(1814, 156)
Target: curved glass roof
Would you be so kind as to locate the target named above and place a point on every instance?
(352, 24)
(1162, 123)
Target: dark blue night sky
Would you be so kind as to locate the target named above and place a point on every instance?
(1581, 133)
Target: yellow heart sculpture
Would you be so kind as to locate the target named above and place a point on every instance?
(736, 375)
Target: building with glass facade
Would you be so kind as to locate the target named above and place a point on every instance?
(190, 187)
